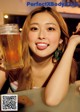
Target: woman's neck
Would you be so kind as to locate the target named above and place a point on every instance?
(41, 71)
(41, 63)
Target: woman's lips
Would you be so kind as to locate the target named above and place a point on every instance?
(41, 46)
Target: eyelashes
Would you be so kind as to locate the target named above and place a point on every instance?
(48, 29)
(51, 29)
(33, 28)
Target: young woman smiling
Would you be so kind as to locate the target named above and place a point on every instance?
(48, 56)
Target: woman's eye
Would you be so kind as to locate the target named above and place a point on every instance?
(51, 29)
(33, 29)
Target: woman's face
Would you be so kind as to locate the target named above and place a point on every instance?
(44, 34)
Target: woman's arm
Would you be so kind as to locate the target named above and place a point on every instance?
(57, 86)
(74, 71)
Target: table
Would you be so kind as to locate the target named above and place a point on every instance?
(71, 103)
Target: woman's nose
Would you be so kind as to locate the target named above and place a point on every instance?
(41, 35)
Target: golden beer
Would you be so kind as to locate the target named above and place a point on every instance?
(11, 45)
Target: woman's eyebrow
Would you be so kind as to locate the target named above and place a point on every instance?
(45, 24)
(51, 24)
(33, 23)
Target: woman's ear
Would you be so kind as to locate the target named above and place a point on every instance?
(60, 41)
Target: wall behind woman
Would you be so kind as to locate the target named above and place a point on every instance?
(16, 7)
(19, 7)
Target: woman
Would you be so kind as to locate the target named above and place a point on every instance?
(48, 59)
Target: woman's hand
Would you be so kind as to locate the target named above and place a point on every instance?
(2, 70)
(77, 29)
(75, 38)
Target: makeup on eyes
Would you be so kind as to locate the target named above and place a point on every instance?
(48, 26)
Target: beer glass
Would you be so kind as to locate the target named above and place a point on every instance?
(10, 42)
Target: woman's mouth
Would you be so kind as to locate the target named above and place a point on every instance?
(42, 46)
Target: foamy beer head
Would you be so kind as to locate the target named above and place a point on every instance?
(11, 45)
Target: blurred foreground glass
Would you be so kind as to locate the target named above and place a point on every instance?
(10, 42)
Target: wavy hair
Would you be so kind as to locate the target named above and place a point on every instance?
(25, 73)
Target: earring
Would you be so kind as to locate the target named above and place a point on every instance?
(57, 54)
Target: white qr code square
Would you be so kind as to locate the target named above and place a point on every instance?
(9, 102)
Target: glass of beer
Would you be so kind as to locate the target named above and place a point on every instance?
(10, 41)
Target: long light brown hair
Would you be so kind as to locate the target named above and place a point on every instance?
(25, 73)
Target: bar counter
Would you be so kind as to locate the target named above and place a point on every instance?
(71, 102)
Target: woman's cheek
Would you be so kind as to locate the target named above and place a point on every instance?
(54, 39)
(32, 36)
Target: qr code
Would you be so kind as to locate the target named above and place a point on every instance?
(9, 102)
